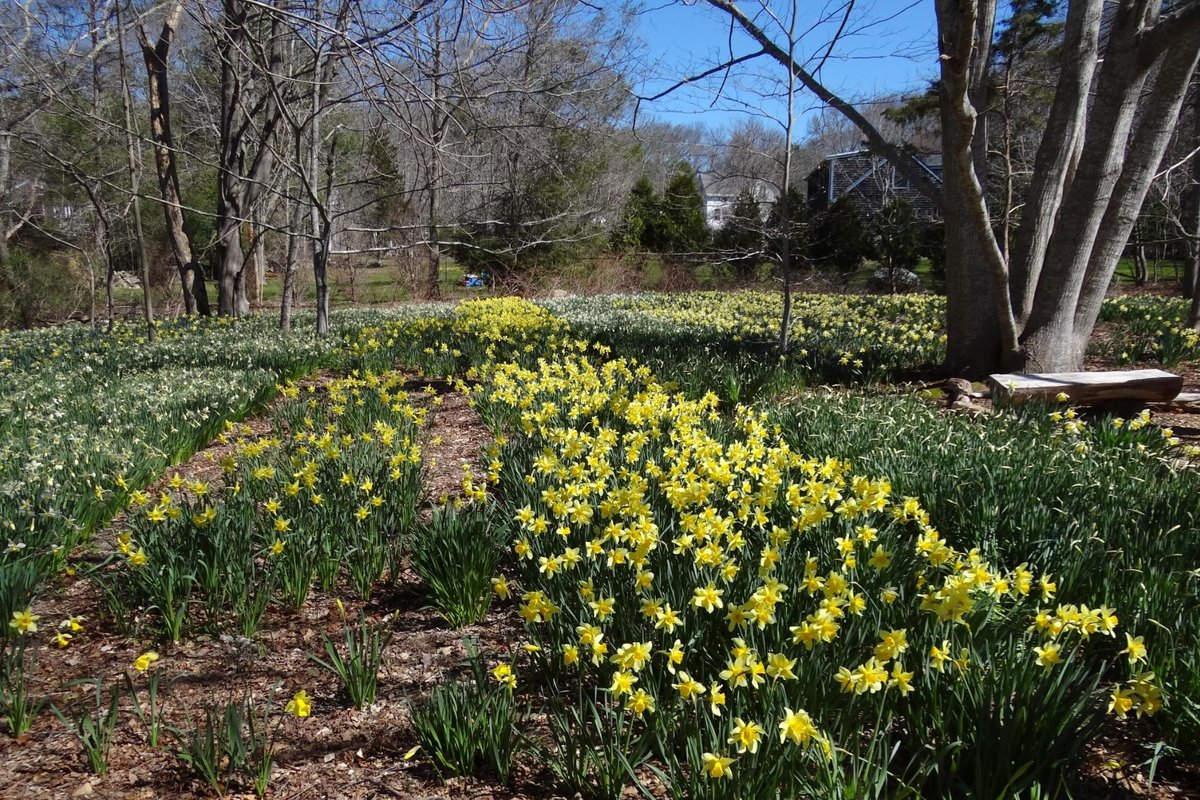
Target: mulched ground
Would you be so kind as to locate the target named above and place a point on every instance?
(336, 752)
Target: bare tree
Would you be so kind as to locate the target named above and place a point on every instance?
(155, 54)
(249, 49)
(134, 162)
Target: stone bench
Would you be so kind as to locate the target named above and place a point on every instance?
(1086, 388)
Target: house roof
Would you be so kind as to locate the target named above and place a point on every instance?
(931, 162)
(715, 185)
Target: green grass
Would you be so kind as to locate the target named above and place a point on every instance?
(376, 285)
(1168, 271)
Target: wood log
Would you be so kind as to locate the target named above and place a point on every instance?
(1087, 388)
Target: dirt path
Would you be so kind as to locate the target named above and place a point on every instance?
(336, 752)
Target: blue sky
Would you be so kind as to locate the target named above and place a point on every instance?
(894, 54)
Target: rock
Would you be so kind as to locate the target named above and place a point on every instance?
(958, 387)
(900, 280)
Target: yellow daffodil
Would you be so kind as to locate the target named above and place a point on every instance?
(300, 705)
(717, 766)
(24, 621)
(797, 727)
(746, 735)
(145, 660)
(503, 675)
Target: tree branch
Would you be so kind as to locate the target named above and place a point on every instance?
(902, 160)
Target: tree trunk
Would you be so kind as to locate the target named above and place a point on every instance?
(320, 258)
(109, 280)
(230, 262)
(1139, 256)
(1056, 155)
(1117, 163)
(132, 163)
(260, 256)
(229, 243)
(433, 275)
(981, 331)
(319, 224)
(195, 296)
(239, 185)
(292, 265)
(1159, 112)
(973, 344)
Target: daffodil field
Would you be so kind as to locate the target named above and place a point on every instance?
(725, 587)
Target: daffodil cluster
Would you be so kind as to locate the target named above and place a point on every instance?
(1149, 328)
(701, 570)
(842, 336)
(321, 495)
(450, 340)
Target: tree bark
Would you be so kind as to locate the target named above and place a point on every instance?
(1159, 113)
(292, 264)
(433, 274)
(981, 330)
(239, 186)
(320, 259)
(1050, 339)
(1055, 157)
(132, 163)
(191, 279)
(318, 216)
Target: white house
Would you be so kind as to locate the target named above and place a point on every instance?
(721, 193)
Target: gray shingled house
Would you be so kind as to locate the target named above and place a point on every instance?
(869, 179)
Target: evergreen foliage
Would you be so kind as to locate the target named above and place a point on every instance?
(841, 240)
(897, 235)
(796, 230)
(685, 230)
(672, 222)
(740, 239)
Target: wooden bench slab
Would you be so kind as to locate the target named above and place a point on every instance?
(1087, 388)
(1184, 403)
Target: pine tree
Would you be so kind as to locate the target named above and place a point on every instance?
(685, 230)
(740, 239)
(640, 226)
(841, 241)
(798, 238)
(897, 237)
